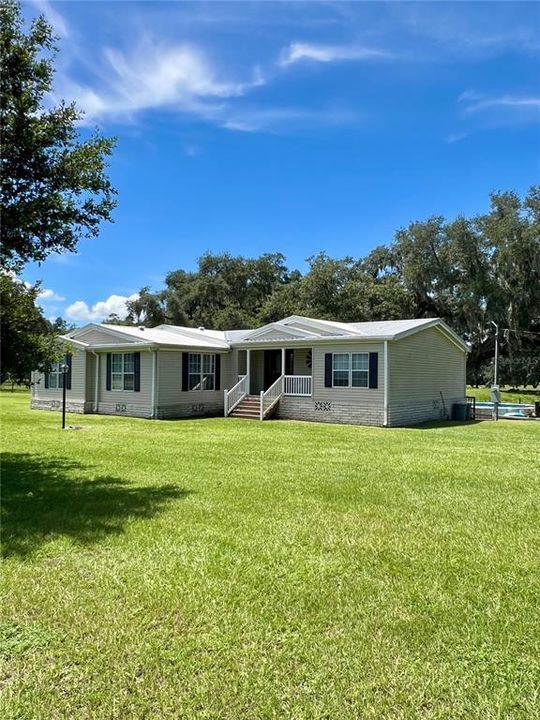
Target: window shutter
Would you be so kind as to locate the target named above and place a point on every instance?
(289, 362)
(68, 374)
(137, 372)
(185, 370)
(109, 370)
(46, 375)
(217, 385)
(373, 369)
(328, 370)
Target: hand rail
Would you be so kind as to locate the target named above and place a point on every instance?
(233, 396)
(270, 397)
(297, 385)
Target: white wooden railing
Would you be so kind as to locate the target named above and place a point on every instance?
(270, 397)
(233, 396)
(297, 385)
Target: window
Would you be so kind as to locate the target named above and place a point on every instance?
(350, 370)
(122, 371)
(54, 379)
(201, 371)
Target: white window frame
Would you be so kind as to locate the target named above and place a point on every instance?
(350, 371)
(57, 374)
(202, 374)
(123, 373)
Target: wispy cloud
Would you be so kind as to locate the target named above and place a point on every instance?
(277, 120)
(299, 51)
(80, 311)
(151, 76)
(474, 103)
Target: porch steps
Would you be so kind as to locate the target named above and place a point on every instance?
(248, 407)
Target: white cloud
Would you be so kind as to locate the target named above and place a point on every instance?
(114, 304)
(48, 294)
(298, 51)
(278, 119)
(152, 76)
(476, 103)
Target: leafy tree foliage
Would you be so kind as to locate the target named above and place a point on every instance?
(28, 340)
(469, 272)
(54, 189)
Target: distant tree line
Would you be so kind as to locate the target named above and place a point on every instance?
(468, 271)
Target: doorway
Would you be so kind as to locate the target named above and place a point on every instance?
(272, 367)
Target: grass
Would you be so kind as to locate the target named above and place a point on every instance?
(526, 395)
(234, 569)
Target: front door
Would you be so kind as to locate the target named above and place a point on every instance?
(272, 367)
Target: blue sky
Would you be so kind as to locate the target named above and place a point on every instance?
(292, 127)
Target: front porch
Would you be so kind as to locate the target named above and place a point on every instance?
(264, 376)
(264, 366)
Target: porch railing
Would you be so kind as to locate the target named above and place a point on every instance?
(297, 385)
(270, 397)
(233, 396)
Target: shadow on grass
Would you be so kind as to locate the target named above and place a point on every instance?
(445, 424)
(43, 499)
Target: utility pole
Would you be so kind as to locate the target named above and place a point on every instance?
(496, 367)
(495, 393)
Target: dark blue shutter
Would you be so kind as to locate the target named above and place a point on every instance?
(328, 370)
(373, 369)
(68, 374)
(109, 371)
(137, 371)
(218, 372)
(185, 371)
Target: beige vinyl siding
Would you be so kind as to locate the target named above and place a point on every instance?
(365, 397)
(43, 398)
(347, 405)
(421, 367)
(300, 360)
(126, 402)
(172, 401)
(170, 379)
(78, 381)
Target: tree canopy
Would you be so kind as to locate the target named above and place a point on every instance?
(54, 186)
(467, 271)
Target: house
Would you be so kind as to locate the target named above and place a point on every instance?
(392, 373)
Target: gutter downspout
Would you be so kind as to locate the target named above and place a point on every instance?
(96, 389)
(386, 376)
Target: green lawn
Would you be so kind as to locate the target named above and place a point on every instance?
(235, 569)
(526, 395)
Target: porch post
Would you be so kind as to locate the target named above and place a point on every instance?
(283, 361)
(248, 369)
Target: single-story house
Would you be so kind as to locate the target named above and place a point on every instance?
(399, 372)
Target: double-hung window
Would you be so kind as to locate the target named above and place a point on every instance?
(122, 371)
(350, 370)
(54, 377)
(202, 371)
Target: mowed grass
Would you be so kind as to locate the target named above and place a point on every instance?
(236, 569)
(527, 395)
